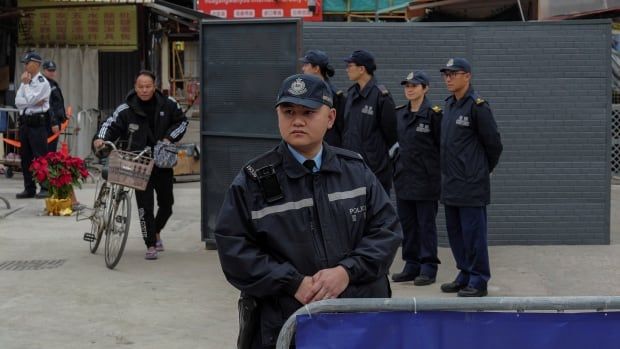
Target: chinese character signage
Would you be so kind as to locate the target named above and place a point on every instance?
(114, 27)
(244, 9)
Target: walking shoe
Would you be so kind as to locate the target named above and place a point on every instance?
(24, 195)
(423, 280)
(452, 287)
(42, 194)
(471, 292)
(151, 253)
(159, 246)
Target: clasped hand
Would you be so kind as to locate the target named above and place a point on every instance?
(325, 284)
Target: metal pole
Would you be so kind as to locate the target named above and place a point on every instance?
(521, 10)
(518, 304)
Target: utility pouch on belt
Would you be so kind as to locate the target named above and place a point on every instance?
(248, 321)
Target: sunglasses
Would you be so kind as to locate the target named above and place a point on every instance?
(451, 74)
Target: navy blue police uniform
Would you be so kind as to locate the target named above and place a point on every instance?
(32, 101)
(470, 149)
(56, 111)
(370, 122)
(417, 181)
(281, 221)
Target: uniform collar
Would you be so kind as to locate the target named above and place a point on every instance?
(469, 94)
(366, 90)
(301, 159)
(294, 169)
(422, 111)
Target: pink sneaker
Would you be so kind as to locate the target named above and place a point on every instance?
(151, 254)
(159, 246)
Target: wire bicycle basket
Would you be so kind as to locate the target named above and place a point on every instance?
(129, 170)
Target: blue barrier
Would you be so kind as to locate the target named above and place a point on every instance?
(464, 323)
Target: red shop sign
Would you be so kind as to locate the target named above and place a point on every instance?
(244, 9)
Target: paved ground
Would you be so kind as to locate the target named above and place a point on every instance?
(183, 301)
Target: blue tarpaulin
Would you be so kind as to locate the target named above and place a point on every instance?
(462, 330)
(340, 6)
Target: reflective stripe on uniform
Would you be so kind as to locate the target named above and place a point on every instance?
(295, 205)
(342, 195)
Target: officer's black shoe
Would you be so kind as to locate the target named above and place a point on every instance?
(405, 275)
(452, 287)
(42, 194)
(471, 292)
(423, 280)
(24, 195)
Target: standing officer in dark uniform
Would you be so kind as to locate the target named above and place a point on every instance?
(470, 150)
(57, 103)
(316, 62)
(32, 100)
(369, 117)
(305, 221)
(417, 180)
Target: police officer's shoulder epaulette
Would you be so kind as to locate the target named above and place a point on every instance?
(347, 153)
(383, 89)
(41, 78)
(339, 93)
(400, 106)
(271, 158)
(479, 101)
(437, 109)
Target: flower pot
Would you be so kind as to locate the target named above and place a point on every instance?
(58, 207)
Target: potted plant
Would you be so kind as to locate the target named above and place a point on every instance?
(59, 172)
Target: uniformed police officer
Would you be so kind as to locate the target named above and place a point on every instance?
(369, 117)
(316, 62)
(417, 180)
(470, 150)
(32, 100)
(57, 103)
(305, 221)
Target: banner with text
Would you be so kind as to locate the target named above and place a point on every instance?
(246, 9)
(462, 330)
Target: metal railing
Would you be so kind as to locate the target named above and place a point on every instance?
(518, 304)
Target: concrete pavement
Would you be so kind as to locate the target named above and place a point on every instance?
(182, 300)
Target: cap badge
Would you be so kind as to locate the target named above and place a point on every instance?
(410, 76)
(298, 87)
(450, 63)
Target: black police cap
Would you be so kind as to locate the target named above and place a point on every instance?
(362, 58)
(417, 78)
(307, 90)
(49, 65)
(31, 56)
(315, 57)
(457, 64)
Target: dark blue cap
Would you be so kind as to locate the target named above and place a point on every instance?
(31, 56)
(49, 65)
(457, 64)
(363, 58)
(307, 90)
(315, 57)
(417, 77)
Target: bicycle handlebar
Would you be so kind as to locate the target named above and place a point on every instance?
(146, 150)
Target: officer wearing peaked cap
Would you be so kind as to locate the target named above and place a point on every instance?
(417, 180)
(470, 150)
(311, 221)
(56, 112)
(32, 100)
(369, 118)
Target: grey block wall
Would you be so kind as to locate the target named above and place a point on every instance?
(549, 87)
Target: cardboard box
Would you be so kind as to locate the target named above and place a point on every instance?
(189, 160)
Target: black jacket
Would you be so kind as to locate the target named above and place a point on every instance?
(370, 127)
(333, 136)
(470, 150)
(416, 167)
(170, 122)
(267, 248)
(57, 104)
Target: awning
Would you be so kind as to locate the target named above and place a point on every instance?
(183, 15)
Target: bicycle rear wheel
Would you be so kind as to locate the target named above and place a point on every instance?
(97, 219)
(118, 229)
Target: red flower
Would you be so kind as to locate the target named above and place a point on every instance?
(59, 172)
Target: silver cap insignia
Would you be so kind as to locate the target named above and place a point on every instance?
(298, 87)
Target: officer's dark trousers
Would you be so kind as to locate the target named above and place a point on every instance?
(160, 183)
(467, 233)
(419, 235)
(34, 144)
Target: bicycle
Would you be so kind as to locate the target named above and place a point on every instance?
(111, 212)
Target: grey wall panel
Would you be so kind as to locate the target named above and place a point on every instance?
(117, 71)
(548, 85)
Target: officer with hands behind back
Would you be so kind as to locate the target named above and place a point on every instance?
(32, 100)
(417, 180)
(305, 221)
(470, 150)
(57, 103)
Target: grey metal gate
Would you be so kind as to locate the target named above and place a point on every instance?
(243, 64)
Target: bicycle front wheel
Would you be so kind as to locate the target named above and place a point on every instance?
(118, 229)
(98, 216)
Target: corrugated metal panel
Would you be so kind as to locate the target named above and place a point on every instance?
(117, 71)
